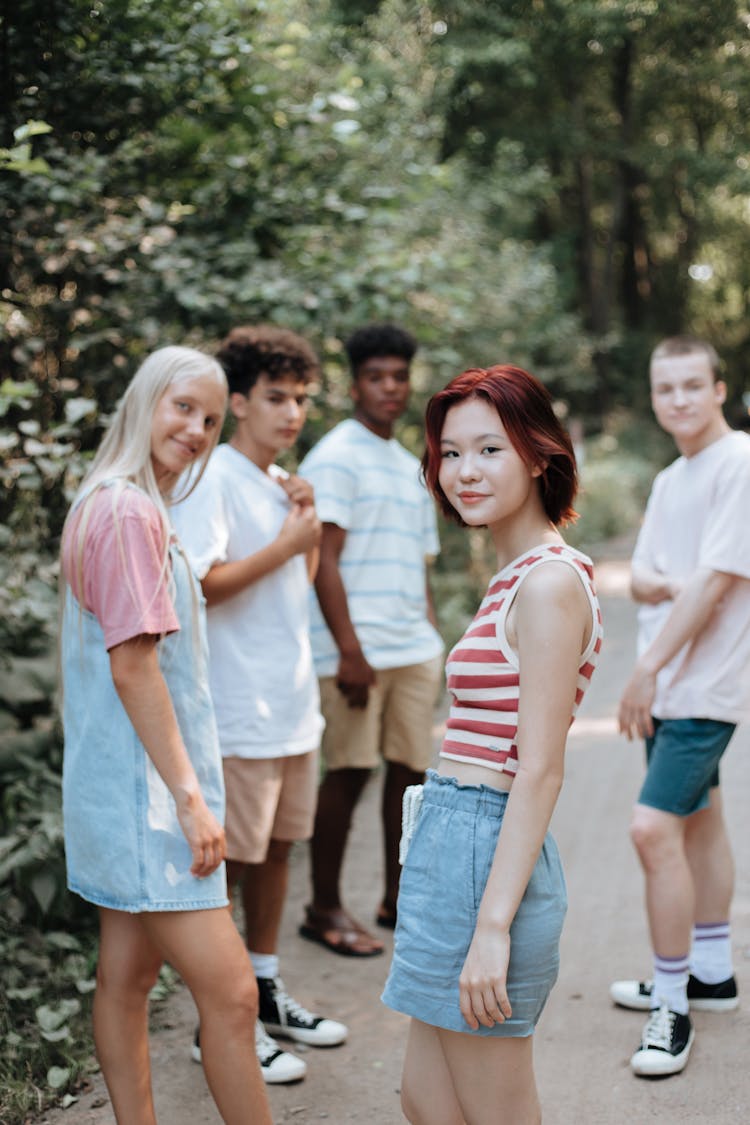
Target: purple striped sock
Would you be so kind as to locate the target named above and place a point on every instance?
(711, 952)
(670, 983)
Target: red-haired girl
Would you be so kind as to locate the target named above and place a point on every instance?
(482, 897)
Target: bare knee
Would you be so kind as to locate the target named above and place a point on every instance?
(656, 836)
(234, 1001)
(129, 979)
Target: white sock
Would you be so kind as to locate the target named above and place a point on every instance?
(670, 983)
(711, 953)
(265, 964)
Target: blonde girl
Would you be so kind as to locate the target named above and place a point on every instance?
(143, 798)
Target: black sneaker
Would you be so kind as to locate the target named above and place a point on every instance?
(281, 1015)
(276, 1066)
(636, 994)
(721, 997)
(665, 1044)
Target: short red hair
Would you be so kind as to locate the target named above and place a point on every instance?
(524, 406)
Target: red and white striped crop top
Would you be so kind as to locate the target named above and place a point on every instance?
(482, 669)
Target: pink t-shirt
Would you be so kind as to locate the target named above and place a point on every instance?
(124, 582)
(697, 516)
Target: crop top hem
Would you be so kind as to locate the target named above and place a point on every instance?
(498, 767)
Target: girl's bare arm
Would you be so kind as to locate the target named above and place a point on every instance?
(552, 624)
(144, 695)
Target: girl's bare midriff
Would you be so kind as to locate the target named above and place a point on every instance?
(469, 773)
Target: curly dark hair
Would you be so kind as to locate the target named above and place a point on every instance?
(252, 350)
(379, 340)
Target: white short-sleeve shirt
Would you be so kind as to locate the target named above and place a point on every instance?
(698, 515)
(262, 678)
(371, 488)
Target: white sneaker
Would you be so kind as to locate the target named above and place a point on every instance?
(721, 997)
(283, 1016)
(276, 1066)
(634, 994)
(665, 1044)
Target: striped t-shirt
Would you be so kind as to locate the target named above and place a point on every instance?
(482, 669)
(371, 488)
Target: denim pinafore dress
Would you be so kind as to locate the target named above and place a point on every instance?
(123, 843)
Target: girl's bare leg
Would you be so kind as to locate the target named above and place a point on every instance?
(427, 1094)
(454, 1079)
(493, 1078)
(127, 971)
(208, 953)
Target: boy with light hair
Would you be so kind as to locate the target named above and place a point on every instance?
(689, 689)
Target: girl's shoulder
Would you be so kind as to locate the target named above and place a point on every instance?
(112, 511)
(555, 575)
(113, 501)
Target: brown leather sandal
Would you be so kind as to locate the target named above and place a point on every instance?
(339, 932)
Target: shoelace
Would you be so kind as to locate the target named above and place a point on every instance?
(265, 1046)
(658, 1030)
(289, 1005)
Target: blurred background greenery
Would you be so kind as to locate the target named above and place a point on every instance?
(556, 183)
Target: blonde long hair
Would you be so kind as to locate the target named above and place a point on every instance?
(124, 456)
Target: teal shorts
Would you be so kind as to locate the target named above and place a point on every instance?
(683, 764)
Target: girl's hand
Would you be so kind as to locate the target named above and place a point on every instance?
(203, 833)
(482, 985)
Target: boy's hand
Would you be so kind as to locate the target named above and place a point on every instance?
(301, 530)
(299, 491)
(354, 678)
(634, 714)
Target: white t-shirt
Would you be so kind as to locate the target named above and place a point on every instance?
(698, 515)
(262, 678)
(370, 487)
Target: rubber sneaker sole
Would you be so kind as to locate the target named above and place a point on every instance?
(328, 1033)
(277, 1067)
(636, 995)
(633, 994)
(284, 1068)
(650, 1062)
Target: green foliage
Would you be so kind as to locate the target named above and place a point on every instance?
(19, 158)
(45, 1046)
(628, 120)
(495, 177)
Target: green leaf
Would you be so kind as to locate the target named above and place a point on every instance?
(58, 1076)
(78, 408)
(31, 129)
(58, 1035)
(50, 1019)
(23, 993)
(60, 940)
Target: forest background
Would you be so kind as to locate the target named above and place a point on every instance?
(557, 183)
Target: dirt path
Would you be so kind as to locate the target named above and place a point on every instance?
(583, 1044)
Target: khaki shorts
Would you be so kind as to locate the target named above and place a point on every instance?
(268, 799)
(396, 724)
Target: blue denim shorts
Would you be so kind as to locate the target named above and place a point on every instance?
(442, 884)
(683, 763)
